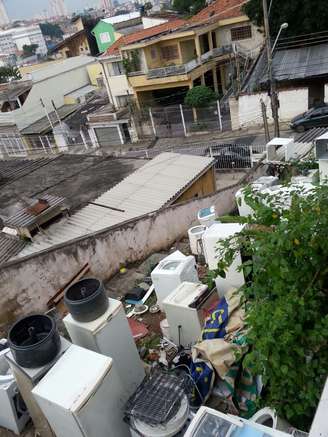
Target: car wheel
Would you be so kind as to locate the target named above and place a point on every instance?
(300, 129)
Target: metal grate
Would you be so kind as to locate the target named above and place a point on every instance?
(157, 399)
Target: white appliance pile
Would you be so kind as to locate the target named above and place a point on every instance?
(95, 385)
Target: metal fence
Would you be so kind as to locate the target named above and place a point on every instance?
(181, 120)
(227, 156)
(15, 145)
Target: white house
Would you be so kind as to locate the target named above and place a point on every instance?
(51, 84)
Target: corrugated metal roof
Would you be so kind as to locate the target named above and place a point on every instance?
(9, 247)
(291, 64)
(312, 134)
(23, 218)
(156, 184)
(13, 169)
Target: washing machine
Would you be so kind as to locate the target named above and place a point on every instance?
(171, 272)
(13, 411)
(27, 379)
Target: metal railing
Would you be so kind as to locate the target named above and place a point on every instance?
(189, 66)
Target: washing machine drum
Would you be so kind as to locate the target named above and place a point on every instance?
(171, 428)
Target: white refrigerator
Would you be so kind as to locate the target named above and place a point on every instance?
(110, 335)
(81, 396)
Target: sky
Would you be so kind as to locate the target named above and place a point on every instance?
(30, 8)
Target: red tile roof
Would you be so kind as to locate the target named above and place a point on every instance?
(220, 9)
(144, 33)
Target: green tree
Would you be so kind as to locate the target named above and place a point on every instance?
(303, 16)
(188, 7)
(7, 73)
(200, 96)
(52, 30)
(287, 298)
(29, 50)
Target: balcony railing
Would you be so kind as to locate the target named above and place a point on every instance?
(175, 70)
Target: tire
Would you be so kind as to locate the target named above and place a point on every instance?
(34, 341)
(300, 129)
(86, 300)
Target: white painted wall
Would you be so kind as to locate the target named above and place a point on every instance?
(326, 92)
(27, 284)
(292, 102)
(52, 88)
(118, 85)
(223, 36)
(250, 109)
(151, 22)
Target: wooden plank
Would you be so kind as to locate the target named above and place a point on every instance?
(54, 300)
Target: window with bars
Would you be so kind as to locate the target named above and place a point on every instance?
(169, 52)
(118, 68)
(238, 33)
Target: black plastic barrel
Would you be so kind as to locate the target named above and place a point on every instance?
(34, 341)
(86, 300)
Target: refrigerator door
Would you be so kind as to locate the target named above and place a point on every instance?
(102, 414)
(74, 389)
(110, 335)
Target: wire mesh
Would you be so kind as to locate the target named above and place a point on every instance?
(157, 399)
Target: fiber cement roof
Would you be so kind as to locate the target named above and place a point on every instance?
(151, 187)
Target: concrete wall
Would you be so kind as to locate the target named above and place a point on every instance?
(234, 113)
(223, 37)
(292, 103)
(53, 88)
(250, 109)
(26, 285)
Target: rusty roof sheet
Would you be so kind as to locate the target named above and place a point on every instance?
(25, 218)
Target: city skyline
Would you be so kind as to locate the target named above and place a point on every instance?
(20, 9)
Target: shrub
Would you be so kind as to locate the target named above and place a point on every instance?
(286, 301)
(200, 96)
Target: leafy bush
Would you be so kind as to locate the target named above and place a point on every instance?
(200, 96)
(286, 301)
(8, 72)
(188, 7)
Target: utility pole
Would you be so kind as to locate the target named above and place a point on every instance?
(238, 72)
(273, 93)
(265, 122)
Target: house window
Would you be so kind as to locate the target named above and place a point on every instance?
(118, 68)
(104, 37)
(238, 33)
(169, 52)
(122, 101)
